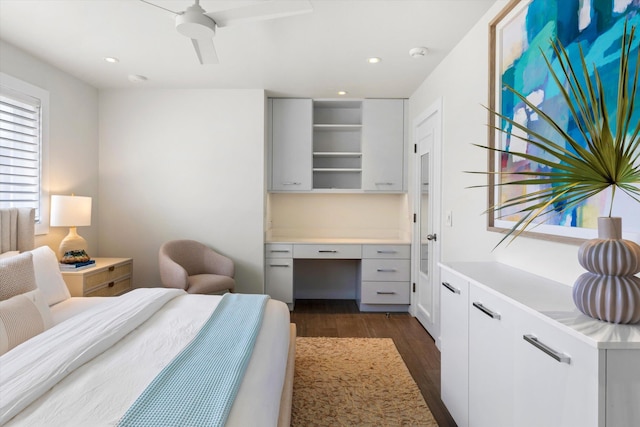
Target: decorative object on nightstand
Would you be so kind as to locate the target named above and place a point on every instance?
(71, 211)
(600, 154)
(107, 277)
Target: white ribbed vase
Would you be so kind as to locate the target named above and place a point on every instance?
(610, 292)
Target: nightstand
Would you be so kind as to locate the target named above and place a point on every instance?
(108, 277)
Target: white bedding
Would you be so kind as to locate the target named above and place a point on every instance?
(100, 391)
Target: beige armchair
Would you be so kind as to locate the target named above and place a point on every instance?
(194, 267)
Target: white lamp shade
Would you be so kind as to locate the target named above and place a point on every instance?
(70, 211)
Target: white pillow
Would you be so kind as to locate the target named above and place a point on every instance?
(9, 254)
(48, 277)
(22, 317)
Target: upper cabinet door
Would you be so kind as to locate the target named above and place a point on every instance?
(383, 145)
(291, 144)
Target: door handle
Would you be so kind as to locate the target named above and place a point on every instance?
(431, 237)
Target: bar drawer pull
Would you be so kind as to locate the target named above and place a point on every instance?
(385, 293)
(285, 251)
(451, 288)
(560, 357)
(386, 270)
(278, 265)
(327, 251)
(386, 252)
(384, 183)
(291, 183)
(486, 311)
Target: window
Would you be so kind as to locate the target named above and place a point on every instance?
(23, 148)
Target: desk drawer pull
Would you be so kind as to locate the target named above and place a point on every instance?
(291, 183)
(385, 293)
(386, 270)
(386, 252)
(560, 357)
(327, 251)
(278, 265)
(384, 183)
(486, 311)
(283, 251)
(451, 288)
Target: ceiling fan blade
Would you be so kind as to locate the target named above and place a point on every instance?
(260, 11)
(159, 7)
(205, 50)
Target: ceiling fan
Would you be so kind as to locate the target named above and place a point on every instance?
(200, 25)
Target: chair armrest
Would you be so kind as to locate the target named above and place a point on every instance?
(172, 275)
(216, 263)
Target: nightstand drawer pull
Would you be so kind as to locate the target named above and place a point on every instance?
(111, 284)
(112, 268)
(560, 357)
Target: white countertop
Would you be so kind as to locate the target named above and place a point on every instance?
(548, 300)
(339, 240)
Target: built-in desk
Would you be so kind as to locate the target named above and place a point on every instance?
(376, 273)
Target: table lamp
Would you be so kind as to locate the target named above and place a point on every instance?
(71, 211)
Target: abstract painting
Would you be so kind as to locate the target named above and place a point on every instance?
(517, 37)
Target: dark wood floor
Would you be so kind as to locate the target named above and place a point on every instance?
(341, 318)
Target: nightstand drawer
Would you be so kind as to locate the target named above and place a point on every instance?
(385, 293)
(107, 275)
(111, 288)
(386, 270)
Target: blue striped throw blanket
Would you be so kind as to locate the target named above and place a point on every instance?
(199, 386)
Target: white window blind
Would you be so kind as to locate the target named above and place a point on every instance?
(20, 150)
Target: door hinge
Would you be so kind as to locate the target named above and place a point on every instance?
(414, 287)
(415, 148)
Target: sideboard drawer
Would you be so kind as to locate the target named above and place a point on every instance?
(327, 251)
(279, 250)
(382, 270)
(385, 293)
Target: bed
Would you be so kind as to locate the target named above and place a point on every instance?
(96, 359)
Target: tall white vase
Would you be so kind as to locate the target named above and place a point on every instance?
(610, 291)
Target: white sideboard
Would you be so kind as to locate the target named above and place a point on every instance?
(516, 352)
(381, 282)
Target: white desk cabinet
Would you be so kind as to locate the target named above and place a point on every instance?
(279, 273)
(290, 144)
(542, 364)
(383, 145)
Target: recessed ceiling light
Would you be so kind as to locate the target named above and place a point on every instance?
(111, 59)
(418, 52)
(373, 60)
(342, 92)
(136, 78)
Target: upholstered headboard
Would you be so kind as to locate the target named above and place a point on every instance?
(17, 227)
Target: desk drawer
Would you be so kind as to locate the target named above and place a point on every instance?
(384, 270)
(385, 293)
(327, 251)
(386, 251)
(278, 250)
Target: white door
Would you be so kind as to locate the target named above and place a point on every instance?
(427, 131)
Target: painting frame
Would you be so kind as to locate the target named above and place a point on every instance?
(561, 233)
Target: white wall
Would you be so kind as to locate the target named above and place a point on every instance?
(73, 135)
(180, 164)
(461, 80)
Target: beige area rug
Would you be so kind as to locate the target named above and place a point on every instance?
(355, 382)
